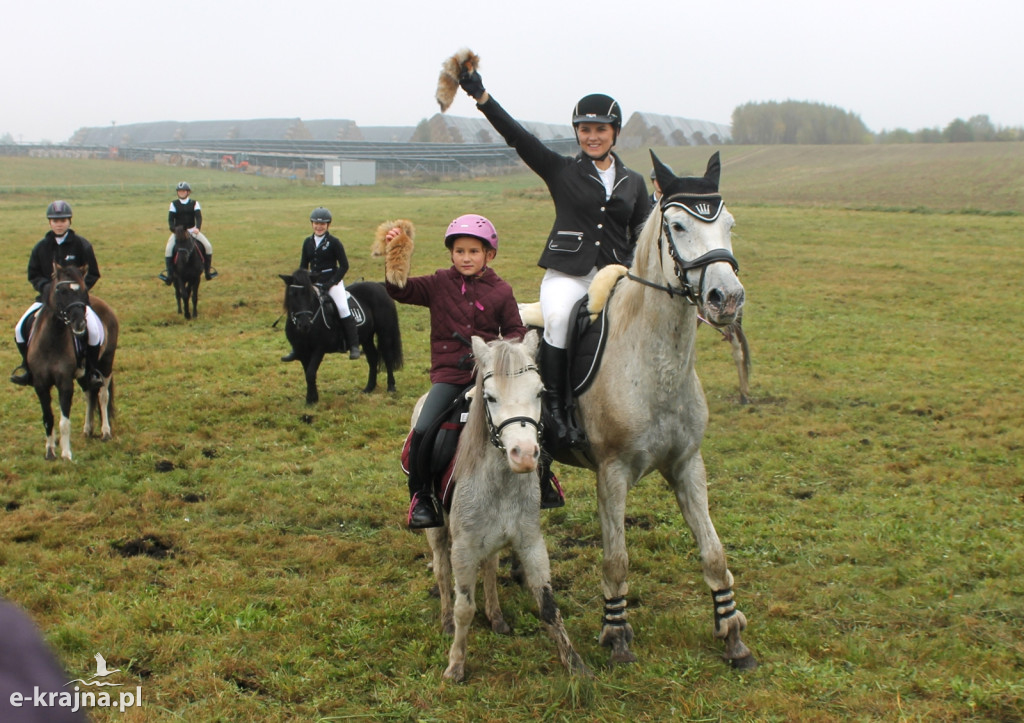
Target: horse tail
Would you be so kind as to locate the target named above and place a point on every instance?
(385, 322)
(389, 334)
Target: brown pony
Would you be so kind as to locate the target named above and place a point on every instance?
(54, 363)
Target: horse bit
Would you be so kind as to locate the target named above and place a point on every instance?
(496, 430)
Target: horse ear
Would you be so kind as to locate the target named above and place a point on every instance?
(480, 350)
(714, 170)
(287, 279)
(662, 172)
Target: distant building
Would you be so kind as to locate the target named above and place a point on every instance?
(653, 129)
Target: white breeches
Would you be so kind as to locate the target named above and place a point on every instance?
(92, 322)
(558, 293)
(337, 293)
(198, 236)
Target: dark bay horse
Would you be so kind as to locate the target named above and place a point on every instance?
(53, 360)
(645, 410)
(188, 271)
(313, 328)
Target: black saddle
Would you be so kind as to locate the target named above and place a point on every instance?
(437, 450)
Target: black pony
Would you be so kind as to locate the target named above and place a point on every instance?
(313, 328)
(188, 271)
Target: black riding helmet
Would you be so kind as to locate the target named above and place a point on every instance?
(58, 209)
(321, 215)
(183, 186)
(597, 108)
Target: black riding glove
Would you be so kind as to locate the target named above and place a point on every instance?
(472, 84)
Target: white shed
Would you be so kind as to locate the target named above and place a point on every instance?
(350, 173)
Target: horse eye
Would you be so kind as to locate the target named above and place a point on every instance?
(678, 227)
(489, 398)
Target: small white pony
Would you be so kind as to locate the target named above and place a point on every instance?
(496, 502)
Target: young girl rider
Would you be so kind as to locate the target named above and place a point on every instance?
(466, 299)
(185, 211)
(600, 207)
(63, 247)
(323, 254)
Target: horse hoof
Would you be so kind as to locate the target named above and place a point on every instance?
(622, 657)
(50, 456)
(500, 627)
(455, 673)
(747, 662)
(107, 436)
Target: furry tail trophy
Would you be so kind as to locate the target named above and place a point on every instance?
(451, 69)
(397, 252)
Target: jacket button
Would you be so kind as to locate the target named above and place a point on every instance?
(600, 225)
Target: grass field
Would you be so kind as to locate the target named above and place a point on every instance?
(243, 557)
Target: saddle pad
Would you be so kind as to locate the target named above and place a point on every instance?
(586, 345)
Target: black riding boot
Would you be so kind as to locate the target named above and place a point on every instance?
(167, 276)
(554, 373)
(424, 507)
(551, 495)
(348, 324)
(290, 356)
(206, 267)
(92, 380)
(24, 378)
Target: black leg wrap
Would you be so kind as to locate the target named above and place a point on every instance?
(725, 606)
(615, 612)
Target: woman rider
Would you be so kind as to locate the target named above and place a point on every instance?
(600, 207)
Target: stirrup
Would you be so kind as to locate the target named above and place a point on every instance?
(551, 494)
(23, 379)
(210, 275)
(424, 512)
(289, 357)
(164, 277)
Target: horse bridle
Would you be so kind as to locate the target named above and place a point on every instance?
(62, 312)
(496, 430)
(294, 315)
(687, 290)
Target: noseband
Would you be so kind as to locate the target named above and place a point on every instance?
(496, 430)
(692, 294)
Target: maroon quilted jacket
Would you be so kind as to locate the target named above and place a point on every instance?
(461, 307)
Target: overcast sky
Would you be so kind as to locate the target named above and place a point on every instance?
(896, 63)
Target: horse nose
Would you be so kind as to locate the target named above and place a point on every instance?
(724, 304)
(524, 457)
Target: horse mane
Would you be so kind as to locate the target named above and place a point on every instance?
(506, 360)
(645, 264)
(300, 277)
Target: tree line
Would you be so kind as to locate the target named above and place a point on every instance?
(799, 122)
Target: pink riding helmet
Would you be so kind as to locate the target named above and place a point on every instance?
(473, 225)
